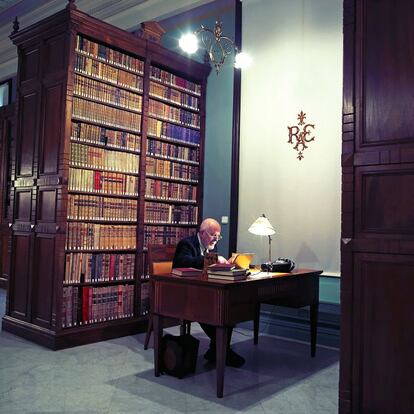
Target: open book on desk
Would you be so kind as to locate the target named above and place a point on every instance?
(241, 260)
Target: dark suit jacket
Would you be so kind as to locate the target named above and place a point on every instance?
(188, 253)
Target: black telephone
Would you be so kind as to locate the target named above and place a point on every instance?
(279, 265)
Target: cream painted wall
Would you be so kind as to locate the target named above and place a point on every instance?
(296, 47)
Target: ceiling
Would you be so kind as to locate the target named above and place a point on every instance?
(5, 4)
(126, 14)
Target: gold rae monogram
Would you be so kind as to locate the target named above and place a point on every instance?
(301, 136)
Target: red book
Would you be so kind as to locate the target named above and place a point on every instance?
(98, 181)
(186, 271)
(85, 304)
(112, 267)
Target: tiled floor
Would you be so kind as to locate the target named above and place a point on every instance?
(117, 377)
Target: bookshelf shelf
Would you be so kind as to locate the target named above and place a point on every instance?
(88, 220)
(90, 168)
(109, 82)
(108, 62)
(172, 85)
(109, 147)
(164, 223)
(170, 200)
(79, 329)
(172, 179)
(116, 164)
(108, 104)
(97, 193)
(174, 121)
(121, 128)
(164, 157)
(173, 103)
(174, 141)
(114, 250)
(100, 283)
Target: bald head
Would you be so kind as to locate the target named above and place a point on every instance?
(210, 233)
(210, 224)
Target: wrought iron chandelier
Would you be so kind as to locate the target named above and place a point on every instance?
(216, 45)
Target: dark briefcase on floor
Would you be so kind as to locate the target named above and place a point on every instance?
(179, 354)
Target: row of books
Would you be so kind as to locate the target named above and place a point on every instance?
(171, 151)
(174, 80)
(102, 114)
(83, 305)
(170, 213)
(174, 132)
(92, 207)
(173, 95)
(170, 113)
(100, 70)
(103, 182)
(100, 158)
(102, 92)
(98, 267)
(106, 137)
(165, 234)
(92, 236)
(171, 169)
(164, 190)
(108, 54)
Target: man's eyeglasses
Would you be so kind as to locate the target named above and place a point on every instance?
(216, 237)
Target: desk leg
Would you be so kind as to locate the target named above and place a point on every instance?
(221, 351)
(256, 323)
(156, 321)
(313, 327)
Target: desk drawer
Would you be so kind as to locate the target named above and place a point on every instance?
(291, 291)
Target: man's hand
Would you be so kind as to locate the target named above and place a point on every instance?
(221, 259)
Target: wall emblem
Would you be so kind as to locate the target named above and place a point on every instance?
(302, 136)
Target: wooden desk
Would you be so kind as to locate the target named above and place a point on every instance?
(224, 304)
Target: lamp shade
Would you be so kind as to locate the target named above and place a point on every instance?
(262, 227)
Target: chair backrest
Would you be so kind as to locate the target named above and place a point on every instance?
(160, 258)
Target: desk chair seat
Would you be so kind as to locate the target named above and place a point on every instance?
(160, 259)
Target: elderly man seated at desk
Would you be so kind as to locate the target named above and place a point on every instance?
(190, 253)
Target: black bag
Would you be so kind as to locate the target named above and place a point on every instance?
(279, 265)
(179, 354)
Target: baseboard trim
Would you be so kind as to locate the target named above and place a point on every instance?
(293, 323)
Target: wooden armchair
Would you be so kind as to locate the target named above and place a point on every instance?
(160, 259)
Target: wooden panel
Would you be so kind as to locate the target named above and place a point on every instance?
(23, 205)
(52, 127)
(6, 114)
(199, 304)
(388, 316)
(377, 337)
(385, 200)
(25, 154)
(29, 64)
(47, 205)
(43, 281)
(388, 77)
(20, 268)
(54, 55)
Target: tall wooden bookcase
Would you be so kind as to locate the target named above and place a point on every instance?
(108, 157)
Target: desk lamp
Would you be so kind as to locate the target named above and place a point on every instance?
(262, 227)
